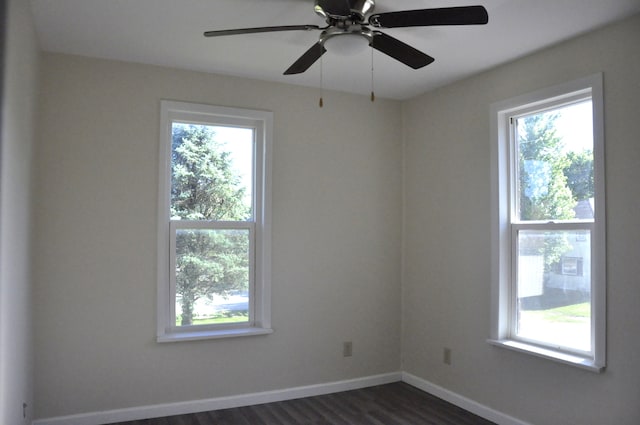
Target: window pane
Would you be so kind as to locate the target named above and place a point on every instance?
(555, 164)
(211, 172)
(212, 276)
(554, 287)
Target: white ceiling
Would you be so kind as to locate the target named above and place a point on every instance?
(169, 33)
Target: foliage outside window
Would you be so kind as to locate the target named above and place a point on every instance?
(548, 271)
(213, 228)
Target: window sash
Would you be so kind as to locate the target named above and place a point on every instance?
(174, 226)
(514, 147)
(516, 228)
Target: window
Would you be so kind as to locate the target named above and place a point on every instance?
(548, 266)
(214, 223)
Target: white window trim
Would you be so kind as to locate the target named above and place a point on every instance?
(501, 264)
(261, 303)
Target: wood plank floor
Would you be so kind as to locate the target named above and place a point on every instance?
(391, 404)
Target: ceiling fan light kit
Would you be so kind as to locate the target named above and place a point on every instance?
(348, 18)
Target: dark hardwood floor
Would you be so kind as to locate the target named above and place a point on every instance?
(391, 404)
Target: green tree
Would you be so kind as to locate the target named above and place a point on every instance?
(544, 193)
(543, 190)
(205, 187)
(579, 173)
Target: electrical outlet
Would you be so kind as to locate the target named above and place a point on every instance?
(347, 349)
(24, 410)
(446, 356)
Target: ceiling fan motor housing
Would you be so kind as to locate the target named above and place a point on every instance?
(344, 9)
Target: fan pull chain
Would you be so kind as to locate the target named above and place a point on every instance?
(321, 103)
(373, 96)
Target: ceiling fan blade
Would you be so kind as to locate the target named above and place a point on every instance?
(400, 51)
(307, 59)
(262, 29)
(464, 15)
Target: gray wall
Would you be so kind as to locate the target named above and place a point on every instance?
(18, 120)
(336, 240)
(447, 239)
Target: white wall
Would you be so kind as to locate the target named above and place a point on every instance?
(447, 239)
(336, 240)
(18, 119)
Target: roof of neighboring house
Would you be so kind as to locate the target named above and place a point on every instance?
(584, 209)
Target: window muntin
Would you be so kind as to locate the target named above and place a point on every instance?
(549, 245)
(214, 234)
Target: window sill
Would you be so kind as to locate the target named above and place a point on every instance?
(212, 334)
(569, 359)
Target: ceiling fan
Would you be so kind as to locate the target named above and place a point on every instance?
(354, 17)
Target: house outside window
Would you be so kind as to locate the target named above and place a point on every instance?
(548, 265)
(214, 222)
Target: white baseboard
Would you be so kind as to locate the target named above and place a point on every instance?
(181, 408)
(460, 401)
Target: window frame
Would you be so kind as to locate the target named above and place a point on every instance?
(505, 225)
(259, 225)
